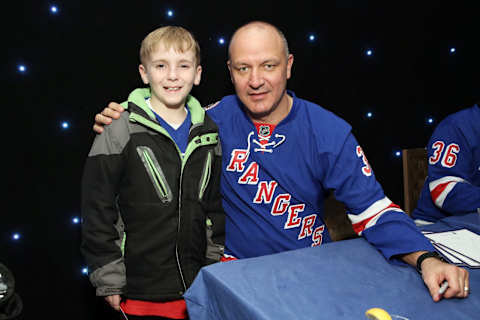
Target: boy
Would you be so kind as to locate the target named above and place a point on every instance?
(154, 174)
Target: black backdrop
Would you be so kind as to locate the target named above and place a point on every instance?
(86, 55)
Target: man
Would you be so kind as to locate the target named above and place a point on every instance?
(281, 155)
(453, 183)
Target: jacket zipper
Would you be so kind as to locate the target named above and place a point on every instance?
(196, 140)
(155, 173)
(205, 176)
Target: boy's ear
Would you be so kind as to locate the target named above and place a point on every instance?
(198, 75)
(143, 73)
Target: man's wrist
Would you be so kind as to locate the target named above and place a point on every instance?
(426, 255)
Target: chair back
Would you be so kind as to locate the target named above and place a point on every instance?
(415, 169)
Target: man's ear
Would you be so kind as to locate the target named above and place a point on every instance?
(143, 73)
(229, 65)
(289, 65)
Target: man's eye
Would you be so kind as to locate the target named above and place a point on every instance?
(242, 69)
(269, 66)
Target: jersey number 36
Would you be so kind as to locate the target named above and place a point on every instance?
(449, 157)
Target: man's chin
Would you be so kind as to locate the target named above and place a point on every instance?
(258, 113)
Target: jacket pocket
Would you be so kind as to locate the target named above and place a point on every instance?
(205, 177)
(155, 172)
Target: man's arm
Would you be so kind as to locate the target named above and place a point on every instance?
(112, 111)
(384, 224)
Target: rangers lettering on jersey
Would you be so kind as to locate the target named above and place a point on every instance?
(265, 194)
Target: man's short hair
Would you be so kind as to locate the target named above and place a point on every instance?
(177, 37)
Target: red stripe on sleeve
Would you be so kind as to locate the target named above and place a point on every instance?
(435, 193)
(360, 226)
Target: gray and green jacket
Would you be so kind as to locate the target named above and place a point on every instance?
(137, 184)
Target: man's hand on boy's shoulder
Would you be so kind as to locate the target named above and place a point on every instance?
(112, 111)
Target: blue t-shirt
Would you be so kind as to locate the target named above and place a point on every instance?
(179, 135)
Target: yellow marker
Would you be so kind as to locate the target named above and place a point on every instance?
(377, 314)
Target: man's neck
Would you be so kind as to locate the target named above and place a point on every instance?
(278, 114)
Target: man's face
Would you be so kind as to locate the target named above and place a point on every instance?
(259, 69)
(171, 75)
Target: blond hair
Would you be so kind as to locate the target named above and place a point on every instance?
(170, 36)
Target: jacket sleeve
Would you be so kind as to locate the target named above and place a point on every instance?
(451, 167)
(212, 204)
(371, 213)
(102, 227)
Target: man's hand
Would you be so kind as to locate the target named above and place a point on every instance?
(435, 272)
(114, 301)
(112, 111)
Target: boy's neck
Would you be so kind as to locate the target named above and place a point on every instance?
(173, 116)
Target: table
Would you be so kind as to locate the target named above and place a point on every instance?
(338, 280)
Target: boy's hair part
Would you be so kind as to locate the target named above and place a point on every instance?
(177, 37)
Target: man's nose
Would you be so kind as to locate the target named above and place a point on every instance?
(256, 79)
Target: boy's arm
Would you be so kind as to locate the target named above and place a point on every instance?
(102, 228)
(212, 204)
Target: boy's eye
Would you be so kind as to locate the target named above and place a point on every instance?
(185, 66)
(160, 66)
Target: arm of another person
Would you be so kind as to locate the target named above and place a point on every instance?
(102, 229)
(451, 167)
(383, 223)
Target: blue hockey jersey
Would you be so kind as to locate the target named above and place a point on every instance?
(273, 192)
(453, 182)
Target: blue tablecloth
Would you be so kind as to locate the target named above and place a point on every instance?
(469, 221)
(339, 280)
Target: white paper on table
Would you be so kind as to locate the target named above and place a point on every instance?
(464, 260)
(463, 241)
(450, 257)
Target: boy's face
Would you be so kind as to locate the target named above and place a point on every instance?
(171, 76)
